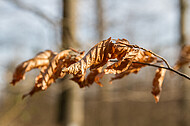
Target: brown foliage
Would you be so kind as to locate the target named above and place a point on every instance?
(96, 57)
(50, 65)
(109, 56)
(130, 65)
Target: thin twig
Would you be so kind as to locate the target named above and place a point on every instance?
(171, 69)
(74, 50)
(136, 46)
(156, 56)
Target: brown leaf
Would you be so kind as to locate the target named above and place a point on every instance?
(38, 83)
(184, 57)
(128, 59)
(98, 77)
(50, 73)
(157, 83)
(118, 67)
(134, 68)
(120, 48)
(80, 79)
(40, 60)
(54, 69)
(96, 57)
(73, 59)
(123, 64)
(128, 65)
(94, 76)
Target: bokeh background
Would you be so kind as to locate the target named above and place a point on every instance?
(30, 26)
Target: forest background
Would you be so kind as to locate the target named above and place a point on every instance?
(28, 27)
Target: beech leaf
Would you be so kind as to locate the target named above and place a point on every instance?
(40, 60)
(157, 83)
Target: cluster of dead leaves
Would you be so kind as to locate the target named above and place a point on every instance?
(110, 56)
(50, 65)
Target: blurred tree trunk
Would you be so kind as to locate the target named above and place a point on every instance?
(182, 5)
(184, 103)
(105, 112)
(71, 100)
(100, 21)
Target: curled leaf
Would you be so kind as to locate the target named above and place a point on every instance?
(40, 60)
(50, 73)
(54, 69)
(184, 57)
(157, 83)
(93, 76)
(96, 57)
(131, 65)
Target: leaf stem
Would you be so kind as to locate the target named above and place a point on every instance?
(171, 69)
(168, 68)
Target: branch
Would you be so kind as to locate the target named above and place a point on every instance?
(136, 46)
(170, 69)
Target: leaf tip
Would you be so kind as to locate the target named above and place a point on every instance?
(12, 83)
(157, 98)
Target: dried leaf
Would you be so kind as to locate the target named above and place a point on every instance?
(80, 79)
(134, 68)
(184, 57)
(118, 67)
(96, 57)
(98, 77)
(54, 69)
(157, 83)
(120, 48)
(38, 81)
(128, 59)
(50, 73)
(129, 66)
(40, 60)
(123, 64)
(93, 76)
